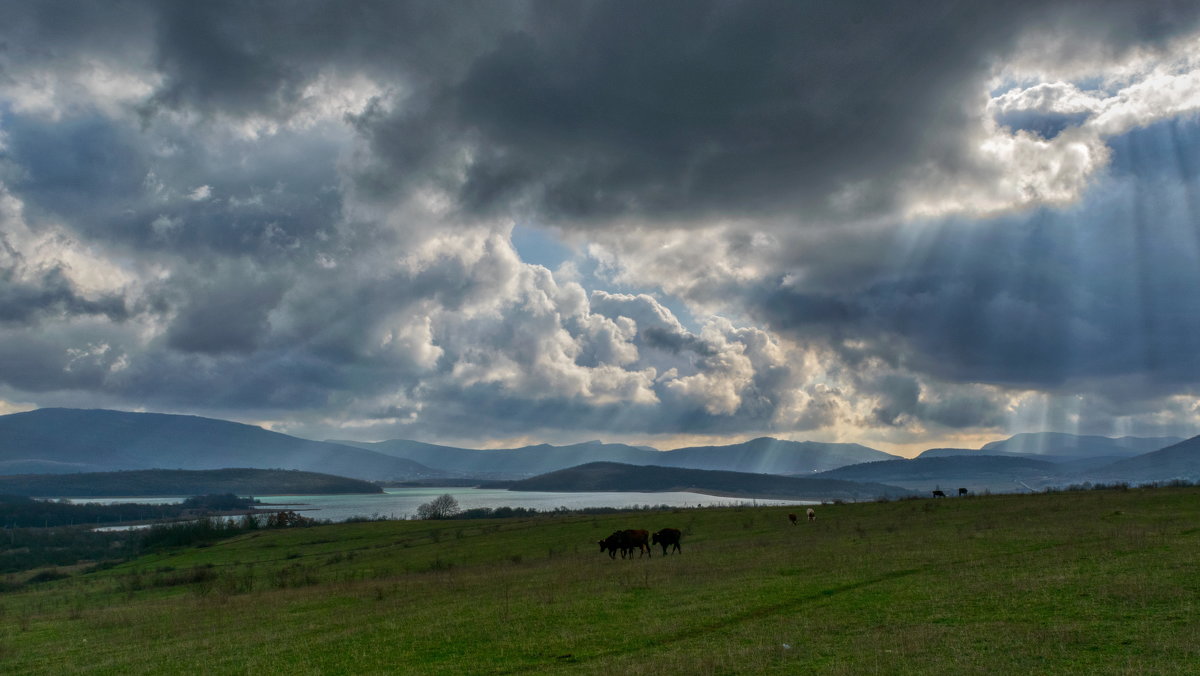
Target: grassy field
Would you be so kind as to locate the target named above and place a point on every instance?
(1083, 582)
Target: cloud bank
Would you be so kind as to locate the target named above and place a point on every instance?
(899, 227)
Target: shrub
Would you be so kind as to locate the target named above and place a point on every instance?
(48, 576)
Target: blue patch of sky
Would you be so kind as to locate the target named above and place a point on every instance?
(1099, 85)
(540, 246)
(1046, 125)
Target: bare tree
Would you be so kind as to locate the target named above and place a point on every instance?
(443, 506)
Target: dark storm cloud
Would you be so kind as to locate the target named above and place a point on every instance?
(241, 59)
(253, 58)
(508, 415)
(53, 32)
(52, 295)
(269, 198)
(902, 400)
(85, 167)
(702, 108)
(589, 111)
(221, 57)
(225, 313)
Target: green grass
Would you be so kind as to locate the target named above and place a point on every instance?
(1086, 582)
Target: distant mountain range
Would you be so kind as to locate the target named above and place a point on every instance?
(1078, 446)
(1059, 447)
(508, 463)
(58, 441)
(762, 456)
(1064, 462)
(611, 476)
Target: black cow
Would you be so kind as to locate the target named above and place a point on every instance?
(668, 537)
(939, 494)
(962, 492)
(612, 544)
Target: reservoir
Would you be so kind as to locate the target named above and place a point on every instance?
(402, 503)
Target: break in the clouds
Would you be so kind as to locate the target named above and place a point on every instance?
(902, 226)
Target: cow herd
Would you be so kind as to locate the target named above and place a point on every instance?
(625, 541)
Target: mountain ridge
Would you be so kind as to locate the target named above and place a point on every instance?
(1076, 445)
(762, 455)
(105, 440)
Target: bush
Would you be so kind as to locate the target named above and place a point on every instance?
(289, 519)
(213, 502)
(48, 576)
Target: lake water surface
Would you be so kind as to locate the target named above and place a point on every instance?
(400, 503)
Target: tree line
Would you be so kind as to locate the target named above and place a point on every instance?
(17, 511)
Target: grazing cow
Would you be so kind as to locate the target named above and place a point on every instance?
(792, 518)
(639, 539)
(625, 541)
(812, 515)
(612, 544)
(939, 494)
(962, 492)
(668, 537)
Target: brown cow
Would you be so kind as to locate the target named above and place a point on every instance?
(812, 515)
(639, 539)
(792, 518)
(667, 537)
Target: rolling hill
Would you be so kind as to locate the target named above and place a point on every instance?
(75, 440)
(978, 452)
(765, 455)
(611, 476)
(1179, 461)
(976, 473)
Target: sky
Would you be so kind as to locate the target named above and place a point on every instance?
(906, 225)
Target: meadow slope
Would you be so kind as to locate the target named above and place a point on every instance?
(1082, 582)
